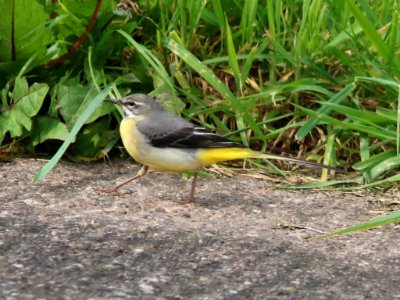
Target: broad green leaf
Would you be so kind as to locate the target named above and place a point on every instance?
(70, 96)
(102, 110)
(30, 32)
(31, 102)
(20, 89)
(74, 98)
(45, 128)
(14, 121)
(91, 140)
(84, 9)
(25, 104)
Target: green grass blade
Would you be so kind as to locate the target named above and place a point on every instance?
(281, 50)
(364, 147)
(377, 80)
(379, 183)
(222, 59)
(369, 30)
(248, 18)
(93, 77)
(363, 116)
(271, 17)
(393, 217)
(387, 113)
(249, 62)
(324, 110)
(345, 36)
(384, 166)
(240, 113)
(218, 13)
(329, 153)
(71, 137)
(323, 184)
(196, 10)
(150, 58)
(374, 160)
(233, 59)
(398, 122)
(386, 134)
(393, 36)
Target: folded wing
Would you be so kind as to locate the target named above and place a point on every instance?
(168, 130)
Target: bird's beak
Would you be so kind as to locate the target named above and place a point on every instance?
(115, 101)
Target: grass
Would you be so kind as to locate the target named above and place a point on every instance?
(313, 79)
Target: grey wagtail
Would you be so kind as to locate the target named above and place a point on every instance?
(165, 142)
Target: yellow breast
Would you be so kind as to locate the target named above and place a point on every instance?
(157, 158)
(131, 138)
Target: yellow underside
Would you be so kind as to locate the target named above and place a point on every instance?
(214, 155)
(175, 159)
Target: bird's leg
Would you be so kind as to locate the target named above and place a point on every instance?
(191, 198)
(141, 173)
(193, 187)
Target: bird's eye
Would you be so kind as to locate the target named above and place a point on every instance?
(132, 103)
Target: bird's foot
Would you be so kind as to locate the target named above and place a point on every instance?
(114, 191)
(192, 200)
(187, 201)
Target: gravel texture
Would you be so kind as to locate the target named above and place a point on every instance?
(244, 239)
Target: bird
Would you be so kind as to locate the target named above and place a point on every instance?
(163, 141)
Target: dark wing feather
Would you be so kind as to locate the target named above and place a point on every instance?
(202, 138)
(163, 129)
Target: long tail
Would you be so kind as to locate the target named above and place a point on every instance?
(215, 155)
(268, 155)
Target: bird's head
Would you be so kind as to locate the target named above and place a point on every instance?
(136, 104)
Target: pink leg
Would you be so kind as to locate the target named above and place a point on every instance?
(191, 198)
(141, 173)
(193, 188)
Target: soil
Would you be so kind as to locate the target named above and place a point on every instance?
(244, 239)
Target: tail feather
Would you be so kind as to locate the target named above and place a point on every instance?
(214, 155)
(268, 155)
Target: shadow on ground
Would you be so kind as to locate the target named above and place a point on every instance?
(61, 239)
